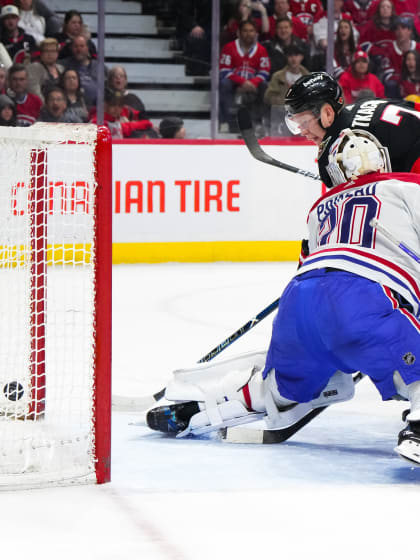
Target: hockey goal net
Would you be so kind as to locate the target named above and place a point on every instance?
(55, 304)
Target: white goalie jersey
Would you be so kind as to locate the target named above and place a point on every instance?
(341, 237)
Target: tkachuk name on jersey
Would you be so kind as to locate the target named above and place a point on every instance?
(324, 209)
(365, 113)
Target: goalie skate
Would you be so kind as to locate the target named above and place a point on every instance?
(185, 418)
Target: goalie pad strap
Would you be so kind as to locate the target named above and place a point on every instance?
(229, 413)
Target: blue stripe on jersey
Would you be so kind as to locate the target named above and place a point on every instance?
(354, 260)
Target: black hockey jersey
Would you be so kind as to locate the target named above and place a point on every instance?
(396, 124)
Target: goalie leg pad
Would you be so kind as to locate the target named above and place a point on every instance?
(339, 388)
(217, 382)
(233, 392)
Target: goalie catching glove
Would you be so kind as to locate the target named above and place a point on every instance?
(232, 392)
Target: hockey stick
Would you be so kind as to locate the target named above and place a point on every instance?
(386, 233)
(248, 134)
(298, 419)
(142, 403)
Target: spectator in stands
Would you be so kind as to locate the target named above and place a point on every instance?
(359, 11)
(411, 9)
(320, 28)
(244, 71)
(410, 74)
(281, 10)
(243, 12)
(172, 128)
(308, 12)
(121, 120)
(391, 55)
(193, 31)
(283, 39)
(281, 81)
(358, 78)
(117, 80)
(70, 84)
(52, 20)
(7, 111)
(3, 75)
(55, 108)
(45, 73)
(5, 59)
(28, 105)
(30, 21)
(73, 27)
(344, 47)
(86, 66)
(20, 45)
(380, 28)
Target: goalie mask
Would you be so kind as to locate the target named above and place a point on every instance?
(355, 153)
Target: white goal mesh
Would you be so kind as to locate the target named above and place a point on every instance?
(50, 421)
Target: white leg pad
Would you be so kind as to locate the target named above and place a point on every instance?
(340, 388)
(219, 380)
(218, 389)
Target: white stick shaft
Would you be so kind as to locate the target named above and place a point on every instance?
(386, 233)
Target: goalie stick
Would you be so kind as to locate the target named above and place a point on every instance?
(251, 142)
(300, 416)
(142, 403)
(386, 233)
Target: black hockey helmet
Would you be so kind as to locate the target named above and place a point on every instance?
(310, 92)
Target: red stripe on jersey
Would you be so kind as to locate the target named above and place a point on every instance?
(247, 396)
(409, 315)
(388, 293)
(411, 318)
(410, 280)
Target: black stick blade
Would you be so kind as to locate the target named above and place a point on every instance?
(244, 119)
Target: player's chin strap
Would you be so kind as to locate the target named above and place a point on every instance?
(232, 393)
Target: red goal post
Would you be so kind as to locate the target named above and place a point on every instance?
(55, 304)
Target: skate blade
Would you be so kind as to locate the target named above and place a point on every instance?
(410, 451)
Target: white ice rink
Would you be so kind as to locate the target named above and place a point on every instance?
(335, 491)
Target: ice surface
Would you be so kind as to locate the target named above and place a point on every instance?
(335, 491)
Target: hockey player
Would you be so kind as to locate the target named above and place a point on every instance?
(315, 108)
(353, 305)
